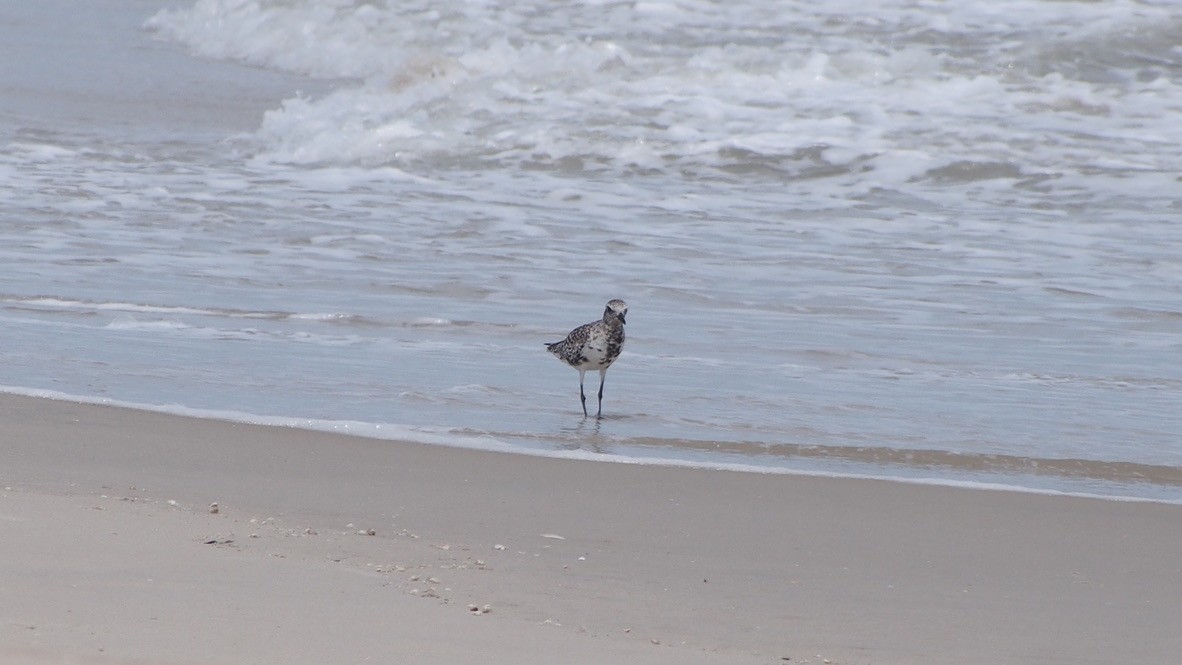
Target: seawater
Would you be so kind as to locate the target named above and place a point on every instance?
(932, 241)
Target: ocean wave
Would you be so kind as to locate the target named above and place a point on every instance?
(644, 88)
(70, 305)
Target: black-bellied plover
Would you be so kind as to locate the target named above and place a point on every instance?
(594, 346)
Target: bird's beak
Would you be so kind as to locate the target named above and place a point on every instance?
(621, 315)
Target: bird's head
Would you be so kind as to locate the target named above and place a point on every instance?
(616, 310)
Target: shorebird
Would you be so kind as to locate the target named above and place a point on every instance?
(595, 345)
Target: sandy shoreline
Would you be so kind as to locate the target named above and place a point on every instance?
(111, 555)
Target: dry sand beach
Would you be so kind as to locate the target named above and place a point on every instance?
(111, 555)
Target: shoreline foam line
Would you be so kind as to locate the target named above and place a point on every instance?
(448, 437)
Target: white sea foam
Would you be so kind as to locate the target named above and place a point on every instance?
(809, 89)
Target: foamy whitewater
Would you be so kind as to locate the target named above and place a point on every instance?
(925, 241)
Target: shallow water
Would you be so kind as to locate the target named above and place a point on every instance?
(916, 241)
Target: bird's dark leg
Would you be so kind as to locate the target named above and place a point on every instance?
(602, 376)
(582, 397)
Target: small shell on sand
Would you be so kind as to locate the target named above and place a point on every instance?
(367, 532)
(553, 536)
(498, 546)
(213, 508)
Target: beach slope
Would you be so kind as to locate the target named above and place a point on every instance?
(111, 554)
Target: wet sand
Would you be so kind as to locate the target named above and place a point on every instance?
(111, 554)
